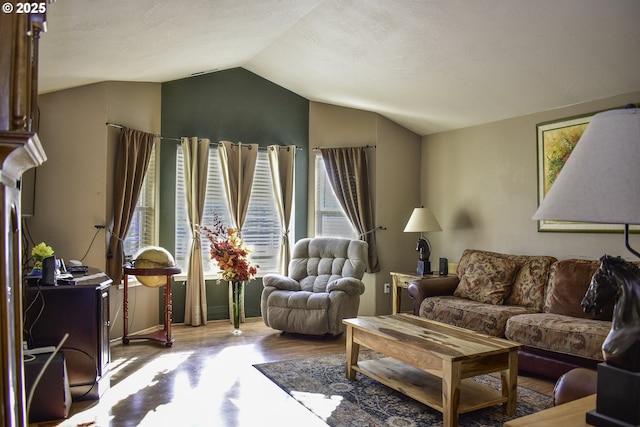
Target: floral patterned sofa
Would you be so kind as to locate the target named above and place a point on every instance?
(532, 300)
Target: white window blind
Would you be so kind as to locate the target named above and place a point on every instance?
(331, 221)
(261, 230)
(142, 230)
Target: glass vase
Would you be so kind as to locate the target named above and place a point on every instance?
(237, 288)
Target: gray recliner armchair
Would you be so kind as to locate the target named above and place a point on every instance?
(323, 286)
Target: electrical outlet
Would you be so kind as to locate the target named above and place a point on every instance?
(387, 288)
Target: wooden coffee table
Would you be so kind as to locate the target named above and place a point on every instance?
(432, 362)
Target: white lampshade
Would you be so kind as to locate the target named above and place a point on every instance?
(422, 220)
(600, 183)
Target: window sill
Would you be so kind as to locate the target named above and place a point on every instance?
(182, 277)
(131, 283)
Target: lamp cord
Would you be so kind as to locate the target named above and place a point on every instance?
(626, 241)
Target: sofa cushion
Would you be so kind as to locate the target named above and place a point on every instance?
(298, 311)
(484, 318)
(569, 280)
(559, 333)
(487, 278)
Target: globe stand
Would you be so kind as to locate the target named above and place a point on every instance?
(163, 335)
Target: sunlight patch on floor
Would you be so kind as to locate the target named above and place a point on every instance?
(320, 404)
(215, 385)
(217, 382)
(145, 377)
(117, 365)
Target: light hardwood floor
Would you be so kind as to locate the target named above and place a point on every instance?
(207, 379)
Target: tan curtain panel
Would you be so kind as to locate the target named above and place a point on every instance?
(238, 164)
(282, 161)
(348, 172)
(134, 154)
(196, 169)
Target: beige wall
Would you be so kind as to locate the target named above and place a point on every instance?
(481, 184)
(73, 187)
(395, 171)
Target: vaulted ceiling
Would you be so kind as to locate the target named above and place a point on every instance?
(429, 65)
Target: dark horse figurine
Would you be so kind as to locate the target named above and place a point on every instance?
(617, 278)
(423, 249)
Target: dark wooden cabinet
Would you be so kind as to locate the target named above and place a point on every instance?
(82, 311)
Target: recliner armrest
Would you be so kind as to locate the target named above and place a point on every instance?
(350, 285)
(424, 288)
(281, 282)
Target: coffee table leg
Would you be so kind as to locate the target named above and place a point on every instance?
(450, 393)
(509, 379)
(352, 353)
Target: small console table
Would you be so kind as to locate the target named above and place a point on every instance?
(163, 335)
(402, 280)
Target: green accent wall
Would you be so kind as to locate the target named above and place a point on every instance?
(238, 106)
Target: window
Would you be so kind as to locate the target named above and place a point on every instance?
(261, 230)
(331, 221)
(142, 230)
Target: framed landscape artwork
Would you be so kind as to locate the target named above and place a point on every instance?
(556, 141)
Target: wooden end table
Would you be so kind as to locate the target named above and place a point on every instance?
(433, 362)
(400, 281)
(570, 414)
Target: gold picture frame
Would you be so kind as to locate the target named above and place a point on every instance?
(556, 140)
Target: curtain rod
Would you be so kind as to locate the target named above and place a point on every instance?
(260, 147)
(114, 125)
(363, 146)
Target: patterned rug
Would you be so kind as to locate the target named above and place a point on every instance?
(319, 383)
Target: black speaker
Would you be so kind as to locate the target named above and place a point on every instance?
(48, 271)
(444, 266)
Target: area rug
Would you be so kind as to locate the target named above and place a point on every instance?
(320, 384)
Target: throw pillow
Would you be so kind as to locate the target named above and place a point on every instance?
(529, 284)
(569, 280)
(486, 278)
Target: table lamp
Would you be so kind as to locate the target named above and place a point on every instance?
(422, 221)
(600, 183)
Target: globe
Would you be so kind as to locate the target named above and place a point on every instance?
(153, 257)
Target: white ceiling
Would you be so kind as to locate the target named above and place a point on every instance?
(429, 65)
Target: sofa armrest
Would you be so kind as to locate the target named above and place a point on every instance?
(575, 384)
(423, 288)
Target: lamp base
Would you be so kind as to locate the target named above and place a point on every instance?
(617, 398)
(424, 267)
